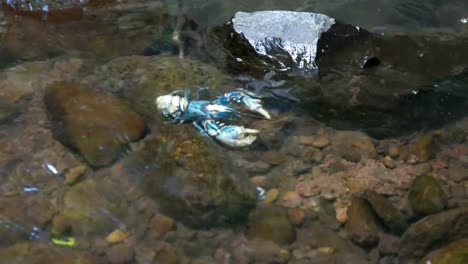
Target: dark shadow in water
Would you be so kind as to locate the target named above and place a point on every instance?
(427, 107)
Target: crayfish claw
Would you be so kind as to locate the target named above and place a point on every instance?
(248, 99)
(251, 131)
(231, 135)
(264, 113)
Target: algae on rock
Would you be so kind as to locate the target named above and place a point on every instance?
(98, 126)
(426, 196)
(140, 79)
(361, 224)
(190, 178)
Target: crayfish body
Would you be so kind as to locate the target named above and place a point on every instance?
(208, 116)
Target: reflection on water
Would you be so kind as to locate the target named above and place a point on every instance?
(352, 164)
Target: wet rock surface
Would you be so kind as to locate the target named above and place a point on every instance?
(273, 37)
(88, 210)
(98, 126)
(199, 192)
(426, 196)
(432, 231)
(291, 40)
(353, 145)
(40, 253)
(389, 215)
(140, 79)
(361, 224)
(352, 62)
(456, 253)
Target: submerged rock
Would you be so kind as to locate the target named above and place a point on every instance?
(271, 223)
(7, 110)
(422, 149)
(390, 215)
(426, 196)
(349, 62)
(141, 79)
(190, 178)
(453, 135)
(353, 145)
(98, 126)
(266, 251)
(319, 235)
(432, 231)
(91, 208)
(30, 252)
(361, 224)
(454, 253)
(285, 40)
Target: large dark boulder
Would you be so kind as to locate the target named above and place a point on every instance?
(426, 196)
(432, 232)
(385, 84)
(140, 79)
(454, 253)
(285, 40)
(190, 178)
(386, 212)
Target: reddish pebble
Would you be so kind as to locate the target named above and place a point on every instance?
(439, 164)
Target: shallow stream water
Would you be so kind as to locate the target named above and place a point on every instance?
(91, 173)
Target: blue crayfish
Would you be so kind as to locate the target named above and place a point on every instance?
(208, 116)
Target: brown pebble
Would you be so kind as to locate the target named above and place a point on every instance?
(258, 181)
(321, 141)
(291, 199)
(394, 151)
(325, 250)
(117, 236)
(389, 162)
(73, 174)
(271, 195)
(163, 224)
(296, 215)
(342, 214)
(316, 171)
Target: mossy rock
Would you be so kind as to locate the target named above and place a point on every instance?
(426, 196)
(140, 79)
(353, 145)
(389, 215)
(423, 147)
(322, 236)
(454, 253)
(98, 126)
(271, 223)
(38, 253)
(191, 179)
(453, 135)
(433, 231)
(361, 225)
